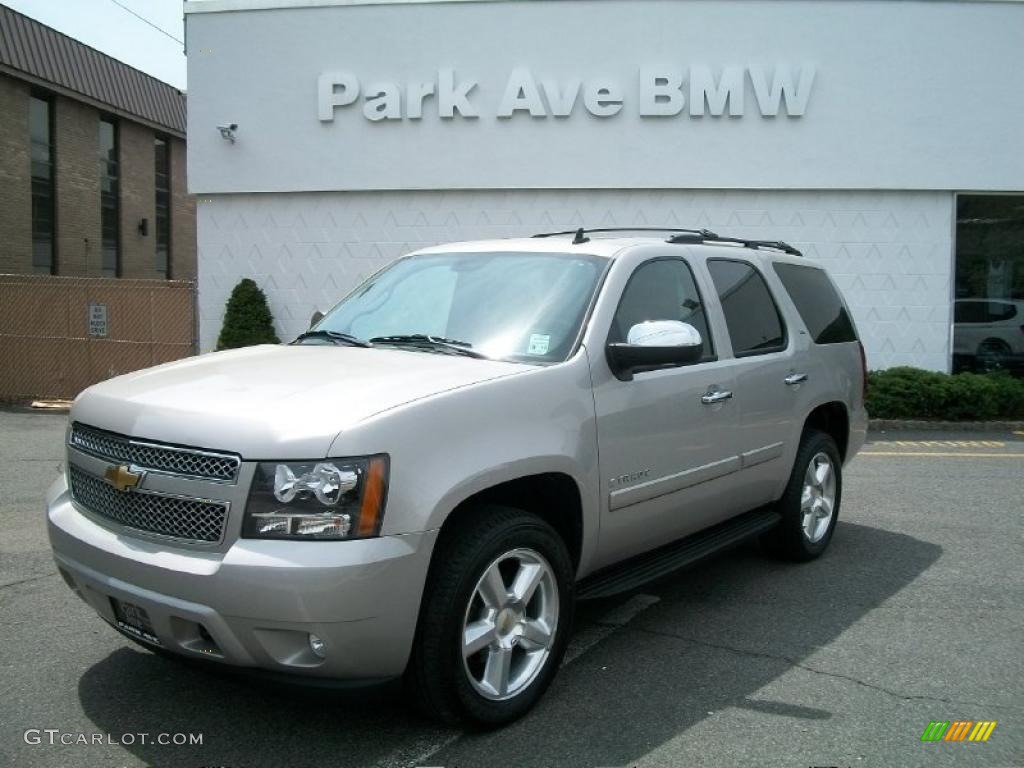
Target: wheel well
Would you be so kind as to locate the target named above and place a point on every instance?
(994, 341)
(832, 419)
(552, 496)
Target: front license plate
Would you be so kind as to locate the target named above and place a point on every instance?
(134, 620)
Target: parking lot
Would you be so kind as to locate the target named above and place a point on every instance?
(916, 614)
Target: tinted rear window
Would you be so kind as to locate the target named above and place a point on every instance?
(818, 303)
(755, 326)
(983, 311)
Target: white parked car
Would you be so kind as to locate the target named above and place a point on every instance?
(988, 334)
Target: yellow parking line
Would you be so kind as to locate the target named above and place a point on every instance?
(967, 454)
(948, 443)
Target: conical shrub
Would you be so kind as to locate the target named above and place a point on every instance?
(247, 320)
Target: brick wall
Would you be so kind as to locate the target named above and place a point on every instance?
(138, 201)
(183, 218)
(15, 179)
(76, 140)
(78, 188)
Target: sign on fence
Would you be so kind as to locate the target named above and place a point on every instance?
(98, 320)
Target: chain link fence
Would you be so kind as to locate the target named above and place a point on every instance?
(59, 335)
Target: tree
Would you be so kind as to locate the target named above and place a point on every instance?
(247, 320)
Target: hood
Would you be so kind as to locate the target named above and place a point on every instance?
(274, 402)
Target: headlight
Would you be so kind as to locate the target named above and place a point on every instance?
(329, 499)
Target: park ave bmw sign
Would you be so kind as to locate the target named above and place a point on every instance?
(653, 93)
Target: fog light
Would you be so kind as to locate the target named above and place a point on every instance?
(318, 646)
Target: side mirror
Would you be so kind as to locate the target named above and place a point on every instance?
(316, 318)
(654, 344)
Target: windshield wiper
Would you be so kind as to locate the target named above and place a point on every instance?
(335, 336)
(438, 342)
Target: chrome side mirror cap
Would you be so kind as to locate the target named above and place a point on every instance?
(655, 344)
(664, 333)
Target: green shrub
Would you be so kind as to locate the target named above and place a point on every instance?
(911, 393)
(247, 320)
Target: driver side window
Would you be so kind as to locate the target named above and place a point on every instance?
(662, 289)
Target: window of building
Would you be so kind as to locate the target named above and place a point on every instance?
(755, 326)
(110, 199)
(988, 316)
(43, 194)
(818, 303)
(162, 156)
(662, 289)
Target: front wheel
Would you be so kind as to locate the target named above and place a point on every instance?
(810, 504)
(495, 618)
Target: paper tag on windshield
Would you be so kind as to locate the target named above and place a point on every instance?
(539, 344)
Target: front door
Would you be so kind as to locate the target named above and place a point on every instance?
(665, 445)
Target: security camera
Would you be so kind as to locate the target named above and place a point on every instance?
(228, 131)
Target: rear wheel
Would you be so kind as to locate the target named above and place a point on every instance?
(993, 355)
(494, 619)
(810, 504)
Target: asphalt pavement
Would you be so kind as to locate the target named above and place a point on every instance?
(916, 614)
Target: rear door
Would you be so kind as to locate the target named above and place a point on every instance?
(769, 375)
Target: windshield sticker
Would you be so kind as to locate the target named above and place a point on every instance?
(539, 344)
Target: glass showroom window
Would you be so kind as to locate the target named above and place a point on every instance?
(988, 316)
(110, 203)
(41, 136)
(162, 156)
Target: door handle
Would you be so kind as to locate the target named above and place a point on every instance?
(795, 378)
(718, 396)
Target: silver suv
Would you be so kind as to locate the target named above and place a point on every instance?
(424, 483)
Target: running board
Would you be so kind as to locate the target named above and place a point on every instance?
(638, 570)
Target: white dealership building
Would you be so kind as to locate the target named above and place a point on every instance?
(884, 139)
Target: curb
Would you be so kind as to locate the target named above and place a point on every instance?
(36, 406)
(924, 425)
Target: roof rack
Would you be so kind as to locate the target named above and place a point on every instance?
(682, 236)
(581, 233)
(778, 245)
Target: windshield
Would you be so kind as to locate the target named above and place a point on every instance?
(524, 307)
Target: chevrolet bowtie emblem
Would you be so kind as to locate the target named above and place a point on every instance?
(122, 478)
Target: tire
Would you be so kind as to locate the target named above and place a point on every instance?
(801, 536)
(447, 685)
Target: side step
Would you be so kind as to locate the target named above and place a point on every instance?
(638, 570)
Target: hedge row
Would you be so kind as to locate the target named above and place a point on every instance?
(911, 393)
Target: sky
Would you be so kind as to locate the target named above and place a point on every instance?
(109, 28)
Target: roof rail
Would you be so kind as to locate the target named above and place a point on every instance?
(694, 236)
(581, 233)
(778, 245)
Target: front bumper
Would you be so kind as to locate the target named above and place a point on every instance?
(256, 603)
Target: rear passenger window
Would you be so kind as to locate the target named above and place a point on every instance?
(999, 311)
(662, 289)
(818, 303)
(754, 323)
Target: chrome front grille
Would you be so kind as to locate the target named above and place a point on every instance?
(183, 518)
(187, 462)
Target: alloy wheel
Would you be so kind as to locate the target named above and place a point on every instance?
(817, 502)
(510, 624)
